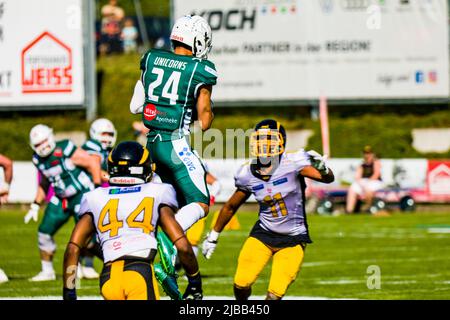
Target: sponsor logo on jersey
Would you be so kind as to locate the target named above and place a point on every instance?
(280, 181)
(125, 190)
(150, 112)
(258, 187)
(58, 152)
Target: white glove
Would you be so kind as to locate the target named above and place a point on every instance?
(32, 213)
(210, 243)
(318, 161)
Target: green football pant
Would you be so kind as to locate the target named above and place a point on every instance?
(179, 166)
(58, 212)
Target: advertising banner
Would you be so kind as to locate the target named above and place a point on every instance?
(41, 48)
(295, 50)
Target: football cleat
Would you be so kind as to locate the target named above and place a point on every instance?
(44, 276)
(89, 273)
(167, 253)
(168, 282)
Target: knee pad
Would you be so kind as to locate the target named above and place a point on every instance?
(46, 242)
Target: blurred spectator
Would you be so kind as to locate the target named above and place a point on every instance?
(367, 181)
(111, 28)
(129, 36)
(112, 11)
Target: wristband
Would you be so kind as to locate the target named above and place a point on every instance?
(35, 206)
(6, 186)
(213, 236)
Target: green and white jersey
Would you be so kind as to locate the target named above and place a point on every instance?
(66, 178)
(171, 83)
(95, 147)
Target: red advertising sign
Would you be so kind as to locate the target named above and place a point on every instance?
(438, 178)
(46, 65)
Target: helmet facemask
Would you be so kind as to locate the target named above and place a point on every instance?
(42, 140)
(44, 148)
(104, 132)
(266, 145)
(107, 139)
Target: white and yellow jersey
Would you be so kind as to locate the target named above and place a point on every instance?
(126, 217)
(281, 197)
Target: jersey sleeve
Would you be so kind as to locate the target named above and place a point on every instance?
(68, 148)
(300, 159)
(84, 206)
(240, 180)
(92, 147)
(143, 63)
(169, 196)
(205, 74)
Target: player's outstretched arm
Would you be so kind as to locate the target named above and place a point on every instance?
(82, 159)
(80, 236)
(226, 213)
(138, 100)
(204, 107)
(187, 257)
(320, 176)
(7, 165)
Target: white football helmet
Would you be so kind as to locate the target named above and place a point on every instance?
(42, 140)
(104, 132)
(195, 32)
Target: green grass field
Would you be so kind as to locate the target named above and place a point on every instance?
(414, 262)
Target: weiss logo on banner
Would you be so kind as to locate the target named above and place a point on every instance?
(46, 65)
(42, 54)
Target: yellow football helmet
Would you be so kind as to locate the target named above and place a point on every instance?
(268, 140)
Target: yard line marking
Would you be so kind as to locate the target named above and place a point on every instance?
(438, 230)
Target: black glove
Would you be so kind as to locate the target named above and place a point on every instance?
(69, 294)
(194, 289)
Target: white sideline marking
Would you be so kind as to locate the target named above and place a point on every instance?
(438, 230)
(166, 298)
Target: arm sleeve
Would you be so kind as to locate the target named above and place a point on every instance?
(206, 74)
(138, 100)
(169, 196)
(300, 159)
(92, 148)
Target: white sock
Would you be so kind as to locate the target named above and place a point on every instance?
(47, 266)
(189, 214)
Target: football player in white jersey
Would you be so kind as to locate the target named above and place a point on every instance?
(277, 180)
(125, 217)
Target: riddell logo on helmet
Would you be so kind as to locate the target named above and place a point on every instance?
(150, 112)
(177, 38)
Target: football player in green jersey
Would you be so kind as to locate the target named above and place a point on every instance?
(103, 136)
(66, 168)
(174, 89)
